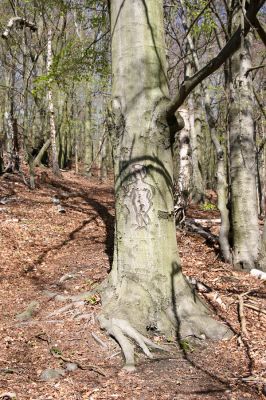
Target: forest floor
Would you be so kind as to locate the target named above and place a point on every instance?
(48, 256)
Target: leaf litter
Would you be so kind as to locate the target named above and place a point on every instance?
(55, 259)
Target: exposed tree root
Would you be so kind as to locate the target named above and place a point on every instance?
(62, 298)
(68, 307)
(119, 329)
(173, 310)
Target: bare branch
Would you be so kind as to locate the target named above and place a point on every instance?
(197, 17)
(18, 22)
(261, 32)
(227, 51)
(254, 68)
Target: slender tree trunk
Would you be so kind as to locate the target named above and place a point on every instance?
(146, 289)
(12, 143)
(103, 161)
(182, 191)
(2, 166)
(242, 160)
(200, 142)
(55, 165)
(12, 130)
(197, 194)
(262, 260)
(27, 129)
(194, 105)
(222, 185)
(88, 143)
(76, 155)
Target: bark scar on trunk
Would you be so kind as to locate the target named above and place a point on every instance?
(138, 196)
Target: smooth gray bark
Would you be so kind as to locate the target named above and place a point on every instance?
(88, 142)
(244, 213)
(146, 289)
(197, 192)
(12, 134)
(262, 259)
(222, 185)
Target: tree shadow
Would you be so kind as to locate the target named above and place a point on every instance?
(59, 246)
(176, 269)
(101, 210)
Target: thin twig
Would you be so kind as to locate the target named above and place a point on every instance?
(260, 310)
(45, 338)
(253, 69)
(98, 340)
(197, 17)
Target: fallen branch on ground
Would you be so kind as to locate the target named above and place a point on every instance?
(192, 226)
(207, 221)
(243, 325)
(44, 337)
(252, 307)
(99, 341)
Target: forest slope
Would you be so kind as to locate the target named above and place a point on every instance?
(57, 241)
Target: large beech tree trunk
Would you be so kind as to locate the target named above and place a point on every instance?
(262, 261)
(146, 289)
(242, 160)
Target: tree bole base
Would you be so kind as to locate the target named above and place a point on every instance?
(127, 322)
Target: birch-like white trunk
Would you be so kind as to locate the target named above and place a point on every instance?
(197, 194)
(55, 165)
(12, 142)
(185, 167)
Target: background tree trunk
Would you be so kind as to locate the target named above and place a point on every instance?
(197, 194)
(183, 186)
(242, 159)
(55, 165)
(88, 143)
(222, 184)
(12, 129)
